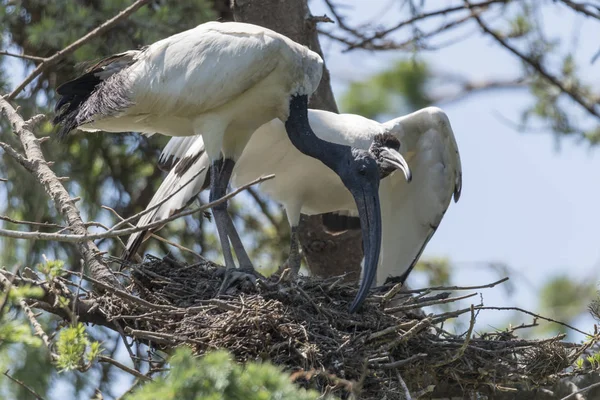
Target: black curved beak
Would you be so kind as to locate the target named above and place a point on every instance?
(392, 159)
(369, 212)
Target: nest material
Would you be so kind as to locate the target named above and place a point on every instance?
(305, 327)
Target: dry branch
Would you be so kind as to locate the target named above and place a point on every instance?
(65, 205)
(50, 61)
(537, 66)
(87, 237)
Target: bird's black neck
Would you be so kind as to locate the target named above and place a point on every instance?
(304, 139)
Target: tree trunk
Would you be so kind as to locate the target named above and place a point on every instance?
(326, 254)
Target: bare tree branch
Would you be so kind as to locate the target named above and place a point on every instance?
(569, 91)
(48, 62)
(418, 17)
(22, 56)
(30, 390)
(65, 205)
(87, 237)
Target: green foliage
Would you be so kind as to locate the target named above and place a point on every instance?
(217, 377)
(13, 330)
(52, 268)
(594, 360)
(437, 270)
(400, 89)
(563, 299)
(74, 348)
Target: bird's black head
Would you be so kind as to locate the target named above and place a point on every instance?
(359, 172)
(385, 149)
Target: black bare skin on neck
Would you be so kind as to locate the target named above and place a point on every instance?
(344, 160)
(385, 140)
(359, 172)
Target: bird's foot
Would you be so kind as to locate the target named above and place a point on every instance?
(289, 270)
(245, 278)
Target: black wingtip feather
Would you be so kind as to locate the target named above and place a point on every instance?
(73, 94)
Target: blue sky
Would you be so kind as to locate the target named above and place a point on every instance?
(525, 202)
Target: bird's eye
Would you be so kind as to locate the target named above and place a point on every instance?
(362, 170)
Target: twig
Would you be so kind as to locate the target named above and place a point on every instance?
(48, 62)
(464, 346)
(419, 17)
(157, 237)
(3, 180)
(406, 395)
(576, 97)
(154, 207)
(37, 328)
(428, 303)
(22, 56)
(489, 285)
(125, 295)
(86, 237)
(534, 315)
(424, 323)
(399, 363)
(585, 389)
(125, 368)
(38, 166)
(392, 329)
(30, 390)
(8, 285)
(133, 386)
(41, 224)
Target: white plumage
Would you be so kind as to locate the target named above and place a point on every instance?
(411, 212)
(218, 80)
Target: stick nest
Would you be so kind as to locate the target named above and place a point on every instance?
(305, 327)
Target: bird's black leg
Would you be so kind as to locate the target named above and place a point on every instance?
(218, 187)
(238, 247)
(294, 259)
(227, 230)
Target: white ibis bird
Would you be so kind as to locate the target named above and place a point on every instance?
(411, 212)
(221, 81)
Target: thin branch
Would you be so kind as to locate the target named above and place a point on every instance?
(37, 328)
(444, 288)
(65, 205)
(428, 303)
(585, 389)
(581, 8)
(469, 87)
(85, 237)
(123, 367)
(576, 97)
(19, 222)
(8, 285)
(48, 62)
(419, 17)
(399, 363)
(157, 237)
(30, 390)
(534, 315)
(22, 56)
(154, 207)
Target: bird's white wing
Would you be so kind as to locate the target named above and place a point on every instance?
(183, 183)
(182, 76)
(175, 149)
(202, 68)
(411, 212)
